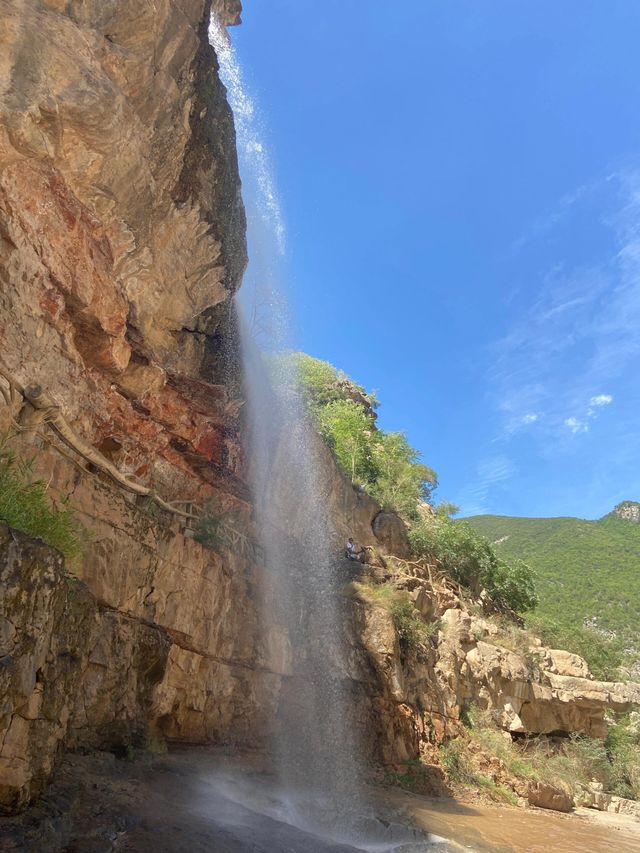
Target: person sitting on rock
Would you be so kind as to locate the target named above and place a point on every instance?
(350, 551)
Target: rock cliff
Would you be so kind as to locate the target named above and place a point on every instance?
(122, 242)
(421, 695)
(627, 511)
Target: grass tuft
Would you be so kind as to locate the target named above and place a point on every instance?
(25, 506)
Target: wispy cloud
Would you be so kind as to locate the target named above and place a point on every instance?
(596, 404)
(576, 426)
(575, 340)
(548, 222)
(601, 400)
(490, 472)
(581, 329)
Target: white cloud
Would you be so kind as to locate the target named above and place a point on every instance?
(491, 472)
(530, 418)
(601, 400)
(576, 425)
(598, 402)
(578, 331)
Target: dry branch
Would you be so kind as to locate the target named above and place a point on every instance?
(40, 408)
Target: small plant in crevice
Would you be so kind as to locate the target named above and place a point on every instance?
(209, 530)
(416, 777)
(25, 505)
(413, 631)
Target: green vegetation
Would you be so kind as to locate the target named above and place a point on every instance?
(570, 766)
(456, 758)
(208, 530)
(382, 463)
(417, 777)
(470, 560)
(412, 630)
(25, 506)
(623, 749)
(386, 466)
(348, 431)
(588, 581)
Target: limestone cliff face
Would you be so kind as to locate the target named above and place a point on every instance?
(71, 670)
(419, 695)
(122, 242)
(121, 227)
(121, 246)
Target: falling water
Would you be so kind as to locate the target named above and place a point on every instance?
(313, 736)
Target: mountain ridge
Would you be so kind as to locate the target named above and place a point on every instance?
(588, 574)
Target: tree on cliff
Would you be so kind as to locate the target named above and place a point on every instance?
(471, 560)
(382, 463)
(391, 471)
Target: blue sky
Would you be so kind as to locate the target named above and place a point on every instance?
(460, 187)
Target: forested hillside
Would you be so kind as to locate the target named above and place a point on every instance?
(588, 577)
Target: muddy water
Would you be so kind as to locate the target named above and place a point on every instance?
(206, 801)
(507, 829)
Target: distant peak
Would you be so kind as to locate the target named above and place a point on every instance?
(627, 511)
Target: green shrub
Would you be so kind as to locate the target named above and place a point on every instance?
(569, 765)
(416, 777)
(401, 480)
(455, 756)
(208, 530)
(348, 431)
(317, 380)
(382, 463)
(412, 630)
(25, 506)
(623, 748)
(470, 560)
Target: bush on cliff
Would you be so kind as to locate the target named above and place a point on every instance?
(401, 478)
(348, 432)
(25, 506)
(382, 463)
(411, 628)
(569, 765)
(471, 561)
(623, 748)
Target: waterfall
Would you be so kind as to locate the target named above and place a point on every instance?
(312, 742)
(313, 737)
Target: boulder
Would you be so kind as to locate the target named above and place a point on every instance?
(546, 796)
(391, 533)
